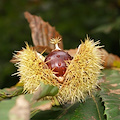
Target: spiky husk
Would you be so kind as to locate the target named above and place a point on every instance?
(82, 73)
(32, 70)
(80, 78)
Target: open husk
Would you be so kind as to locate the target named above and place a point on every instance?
(80, 79)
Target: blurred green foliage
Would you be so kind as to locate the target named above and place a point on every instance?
(100, 19)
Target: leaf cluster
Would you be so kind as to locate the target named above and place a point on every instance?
(104, 105)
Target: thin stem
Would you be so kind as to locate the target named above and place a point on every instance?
(96, 106)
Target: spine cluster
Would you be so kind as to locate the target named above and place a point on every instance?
(80, 78)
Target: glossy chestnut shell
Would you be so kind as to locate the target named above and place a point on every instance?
(56, 61)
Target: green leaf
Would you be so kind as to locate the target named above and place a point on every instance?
(7, 104)
(110, 94)
(36, 105)
(107, 28)
(48, 114)
(77, 111)
(45, 90)
(10, 92)
(89, 110)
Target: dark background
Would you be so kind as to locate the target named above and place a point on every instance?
(100, 19)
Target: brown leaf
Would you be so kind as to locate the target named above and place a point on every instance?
(109, 58)
(21, 110)
(42, 32)
(46, 106)
(71, 52)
